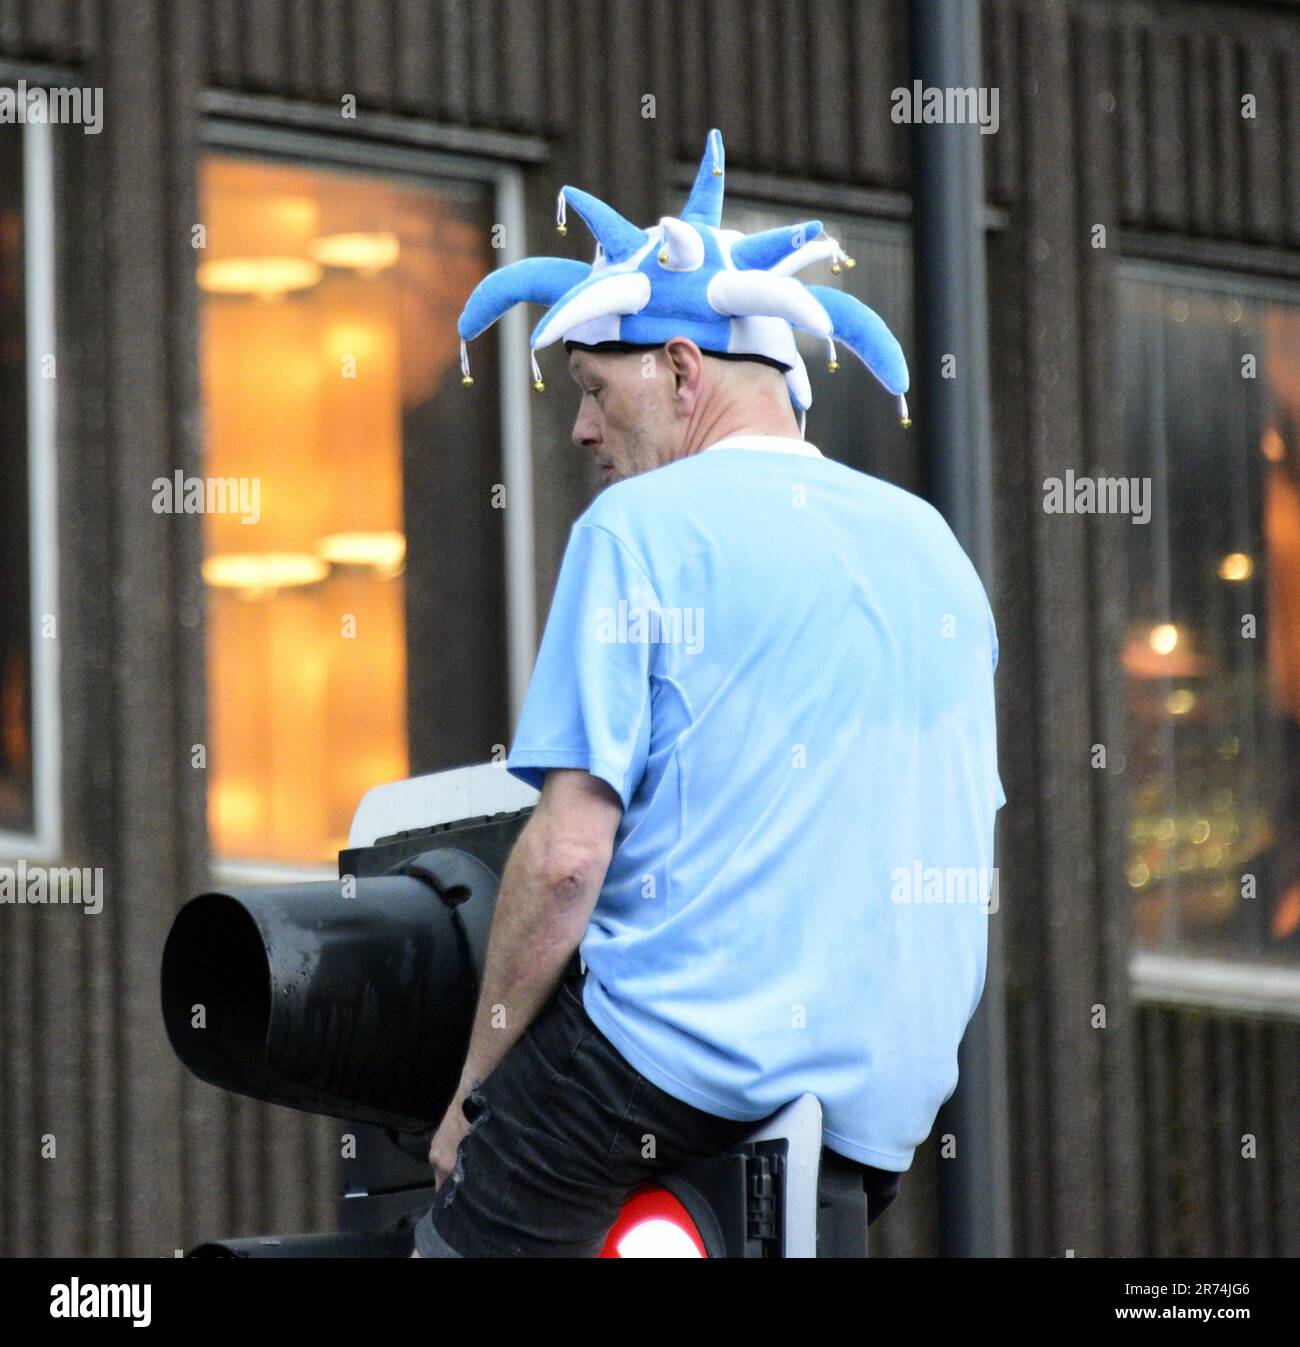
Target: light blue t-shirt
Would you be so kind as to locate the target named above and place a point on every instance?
(784, 667)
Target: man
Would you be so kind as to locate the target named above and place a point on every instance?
(761, 721)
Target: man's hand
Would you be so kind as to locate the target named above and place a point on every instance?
(446, 1141)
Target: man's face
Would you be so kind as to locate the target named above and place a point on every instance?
(624, 418)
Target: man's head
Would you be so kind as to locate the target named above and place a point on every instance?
(641, 409)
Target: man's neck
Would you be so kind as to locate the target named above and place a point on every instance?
(726, 428)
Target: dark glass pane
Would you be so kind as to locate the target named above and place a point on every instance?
(16, 795)
(1212, 649)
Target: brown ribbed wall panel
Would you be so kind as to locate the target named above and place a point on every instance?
(831, 113)
(334, 57)
(1203, 1133)
(1262, 142)
(49, 29)
(1198, 108)
(521, 103)
(1065, 776)
(1255, 1180)
(766, 58)
(792, 88)
(1097, 189)
(1227, 135)
(1209, 1081)
(1001, 27)
(1134, 73)
(88, 25)
(11, 26)
(488, 59)
(1013, 594)
(665, 82)
(728, 85)
(877, 66)
(1288, 186)
(629, 137)
(1284, 1055)
(564, 67)
(417, 74)
(371, 34)
(1227, 1178)
(143, 870)
(1165, 138)
(225, 43)
(300, 39)
(688, 53)
(264, 52)
(200, 1178)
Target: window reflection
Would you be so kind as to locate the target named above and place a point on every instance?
(330, 305)
(1212, 412)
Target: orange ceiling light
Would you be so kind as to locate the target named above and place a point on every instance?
(257, 243)
(259, 575)
(382, 551)
(365, 251)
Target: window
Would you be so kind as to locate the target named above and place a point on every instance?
(353, 550)
(852, 418)
(1210, 375)
(28, 638)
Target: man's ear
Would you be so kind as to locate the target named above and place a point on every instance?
(686, 365)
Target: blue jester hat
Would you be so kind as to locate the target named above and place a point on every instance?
(729, 292)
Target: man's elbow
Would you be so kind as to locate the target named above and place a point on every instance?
(568, 872)
(571, 873)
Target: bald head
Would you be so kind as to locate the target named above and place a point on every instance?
(642, 409)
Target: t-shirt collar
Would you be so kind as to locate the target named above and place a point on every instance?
(772, 444)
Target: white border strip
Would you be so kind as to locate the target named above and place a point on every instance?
(517, 458)
(1218, 984)
(42, 445)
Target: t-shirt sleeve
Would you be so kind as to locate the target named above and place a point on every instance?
(588, 702)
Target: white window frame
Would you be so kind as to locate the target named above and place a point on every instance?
(275, 144)
(46, 841)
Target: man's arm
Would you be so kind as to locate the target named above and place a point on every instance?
(548, 890)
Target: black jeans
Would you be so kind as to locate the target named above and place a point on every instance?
(561, 1132)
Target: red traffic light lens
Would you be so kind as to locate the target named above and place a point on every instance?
(653, 1224)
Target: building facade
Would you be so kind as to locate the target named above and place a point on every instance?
(250, 271)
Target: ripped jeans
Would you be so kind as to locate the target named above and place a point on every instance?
(561, 1132)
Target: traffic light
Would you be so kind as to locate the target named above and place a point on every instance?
(355, 998)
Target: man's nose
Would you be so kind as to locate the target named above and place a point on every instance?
(586, 429)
